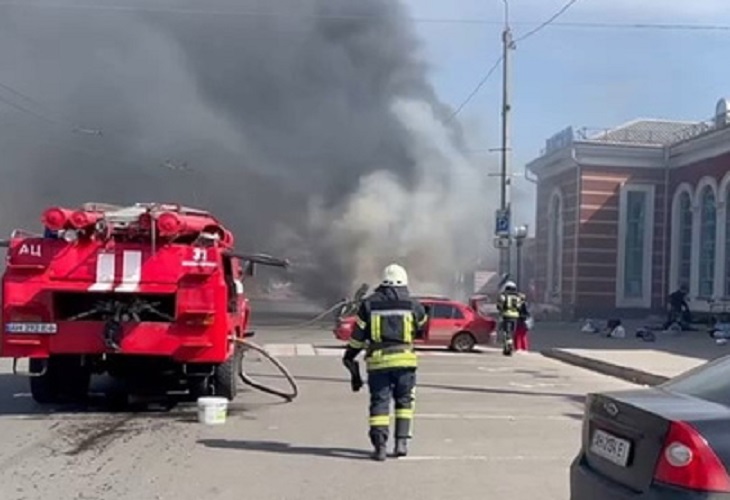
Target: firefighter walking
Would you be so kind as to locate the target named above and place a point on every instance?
(512, 307)
(387, 322)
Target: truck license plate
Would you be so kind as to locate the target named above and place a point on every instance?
(31, 328)
(610, 447)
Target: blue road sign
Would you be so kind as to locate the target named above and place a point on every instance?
(502, 223)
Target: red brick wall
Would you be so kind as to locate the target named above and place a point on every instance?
(566, 181)
(598, 236)
(714, 167)
(691, 174)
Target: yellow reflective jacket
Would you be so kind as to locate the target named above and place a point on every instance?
(386, 326)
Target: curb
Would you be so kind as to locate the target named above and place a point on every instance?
(622, 372)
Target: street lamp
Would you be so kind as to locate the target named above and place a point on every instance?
(520, 234)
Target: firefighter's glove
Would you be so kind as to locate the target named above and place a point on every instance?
(352, 366)
(356, 382)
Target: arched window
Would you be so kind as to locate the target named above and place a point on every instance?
(727, 239)
(555, 245)
(708, 232)
(634, 253)
(684, 241)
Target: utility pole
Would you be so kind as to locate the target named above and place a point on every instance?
(504, 216)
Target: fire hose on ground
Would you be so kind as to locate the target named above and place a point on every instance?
(342, 306)
(315, 319)
(250, 381)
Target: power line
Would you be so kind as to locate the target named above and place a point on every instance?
(645, 26)
(42, 116)
(347, 17)
(496, 65)
(88, 152)
(559, 13)
(476, 89)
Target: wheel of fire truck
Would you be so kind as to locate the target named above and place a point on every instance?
(65, 379)
(463, 342)
(225, 382)
(250, 381)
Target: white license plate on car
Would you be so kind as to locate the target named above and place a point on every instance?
(612, 448)
(31, 328)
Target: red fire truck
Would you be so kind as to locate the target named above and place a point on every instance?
(151, 294)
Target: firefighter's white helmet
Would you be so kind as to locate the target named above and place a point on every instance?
(510, 286)
(395, 275)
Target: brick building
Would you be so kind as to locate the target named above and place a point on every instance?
(626, 215)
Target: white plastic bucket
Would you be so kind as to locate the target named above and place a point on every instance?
(212, 410)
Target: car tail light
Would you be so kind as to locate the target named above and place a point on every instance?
(687, 460)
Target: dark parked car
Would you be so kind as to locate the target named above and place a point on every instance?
(668, 442)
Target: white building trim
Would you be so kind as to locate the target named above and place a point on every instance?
(643, 302)
(675, 236)
(722, 254)
(553, 283)
(552, 164)
(722, 218)
(705, 182)
(596, 154)
(612, 155)
(699, 148)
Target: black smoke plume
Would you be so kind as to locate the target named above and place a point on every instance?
(309, 127)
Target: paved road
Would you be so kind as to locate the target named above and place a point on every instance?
(488, 427)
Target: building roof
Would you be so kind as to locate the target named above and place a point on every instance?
(642, 131)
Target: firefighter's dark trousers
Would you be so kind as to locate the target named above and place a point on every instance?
(400, 385)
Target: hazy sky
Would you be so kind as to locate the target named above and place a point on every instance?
(575, 75)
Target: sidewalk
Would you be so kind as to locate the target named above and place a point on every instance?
(630, 358)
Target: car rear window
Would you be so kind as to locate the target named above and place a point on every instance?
(710, 382)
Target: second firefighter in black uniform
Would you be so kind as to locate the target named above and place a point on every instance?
(386, 326)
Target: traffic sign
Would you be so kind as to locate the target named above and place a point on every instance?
(502, 242)
(502, 223)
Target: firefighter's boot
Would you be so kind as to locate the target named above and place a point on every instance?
(380, 452)
(401, 447)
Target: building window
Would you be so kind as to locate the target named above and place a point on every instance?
(685, 239)
(682, 249)
(708, 232)
(727, 240)
(555, 247)
(635, 246)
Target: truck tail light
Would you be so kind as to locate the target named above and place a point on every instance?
(197, 319)
(24, 317)
(687, 460)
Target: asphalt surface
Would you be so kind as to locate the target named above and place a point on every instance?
(487, 427)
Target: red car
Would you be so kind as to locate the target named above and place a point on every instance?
(451, 323)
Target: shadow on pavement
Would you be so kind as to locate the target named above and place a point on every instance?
(286, 448)
(15, 397)
(16, 400)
